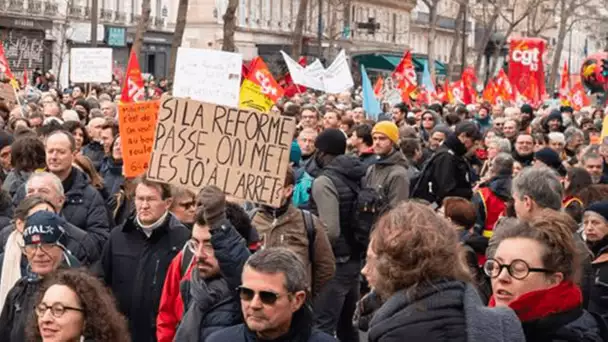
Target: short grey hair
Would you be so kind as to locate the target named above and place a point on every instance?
(572, 132)
(54, 179)
(502, 144)
(281, 260)
(590, 155)
(541, 184)
(557, 136)
(502, 164)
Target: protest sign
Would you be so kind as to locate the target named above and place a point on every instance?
(245, 153)
(91, 65)
(208, 75)
(137, 122)
(604, 129)
(7, 93)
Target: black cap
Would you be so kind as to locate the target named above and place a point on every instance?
(526, 108)
(470, 129)
(331, 141)
(45, 227)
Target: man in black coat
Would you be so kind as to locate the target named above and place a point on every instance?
(135, 259)
(451, 174)
(219, 254)
(83, 206)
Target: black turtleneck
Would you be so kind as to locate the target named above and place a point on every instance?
(524, 160)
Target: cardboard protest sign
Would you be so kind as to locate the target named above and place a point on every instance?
(208, 75)
(137, 122)
(7, 93)
(245, 153)
(91, 65)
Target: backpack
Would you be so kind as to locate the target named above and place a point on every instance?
(301, 190)
(421, 185)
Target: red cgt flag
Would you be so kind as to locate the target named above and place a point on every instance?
(490, 92)
(260, 75)
(378, 86)
(4, 66)
(405, 69)
(564, 87)
(578, 97)
(505, 89)
(133, 85)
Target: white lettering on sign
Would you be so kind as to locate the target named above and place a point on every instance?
(528, 58)
(23, 51)
(267, 88)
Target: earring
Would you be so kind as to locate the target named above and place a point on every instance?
(81, 338)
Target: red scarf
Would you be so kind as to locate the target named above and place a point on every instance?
(542, 303)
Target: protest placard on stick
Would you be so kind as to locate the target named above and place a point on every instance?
(243, 152)
(7, 93)
(91, 65)
(137, 122)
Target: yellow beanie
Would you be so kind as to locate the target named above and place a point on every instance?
(389, 129)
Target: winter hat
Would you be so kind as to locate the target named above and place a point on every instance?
(555, 114)
(45, 227)
(331, 141)
(470, 129)
(295, 154)
(5, 139)
(212, 201)
(551, 159)
(389, 129)
(600, 208)
(566, 109)
(84, 104)
(445, 129)
(526, 108)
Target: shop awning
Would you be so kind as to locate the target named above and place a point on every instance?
(389, 62)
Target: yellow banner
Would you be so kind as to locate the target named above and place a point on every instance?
(252, 98)
(604, 129)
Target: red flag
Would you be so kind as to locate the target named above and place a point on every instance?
(469, 80)
(287, 83)
(525, 64)
(531, 94)
(564, 87)
(505, 89)
(578, 97)
(378, 86)
(133, 85)
(407, 90)
(4, 66)
(260, 75)
(457, 91)
(490, 92)
(25, 80)
(405, 69)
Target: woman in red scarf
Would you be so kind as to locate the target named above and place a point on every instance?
(533, 271)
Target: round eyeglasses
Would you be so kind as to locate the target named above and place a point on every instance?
(518, 269)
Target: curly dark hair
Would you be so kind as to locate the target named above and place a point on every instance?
(28, 154)
(72, 126)
(103, 321)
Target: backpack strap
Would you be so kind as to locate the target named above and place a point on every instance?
(187, 258)
(309, 224)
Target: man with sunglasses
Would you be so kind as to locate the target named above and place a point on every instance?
(209, 301)
(44, 245)
(273, 301)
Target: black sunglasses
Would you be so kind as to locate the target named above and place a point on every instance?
(266, 297)
(187, 205)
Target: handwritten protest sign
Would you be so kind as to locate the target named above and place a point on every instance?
(245, 153)
(7, 93)
(208, 75)
(91, 65)
(137, 122)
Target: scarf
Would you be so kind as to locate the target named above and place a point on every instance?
(150, 228)
(11, 265)
(542, 303)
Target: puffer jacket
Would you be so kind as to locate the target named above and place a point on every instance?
(111, 171)
(451, 172)
(443, 311)
(391, 177)
(289, 230)
(84, 207)
(212, 304)
(134, 267)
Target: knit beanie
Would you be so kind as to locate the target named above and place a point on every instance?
(550, 158)
(45, 227)
(332, 141)
(213, 202)
(600, 208)
(389, 129)
(295, 154)
(6, 139)
(555, 114)
(526, 108)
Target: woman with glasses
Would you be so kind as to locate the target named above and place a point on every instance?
(533, 271)
(427, 122)
(75, 306)
(414, 263)
(44, 241)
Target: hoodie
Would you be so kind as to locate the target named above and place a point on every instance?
(390, 176)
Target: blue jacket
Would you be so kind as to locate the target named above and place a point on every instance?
(240, 333)
(111, 171)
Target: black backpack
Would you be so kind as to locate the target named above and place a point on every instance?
(422, 185)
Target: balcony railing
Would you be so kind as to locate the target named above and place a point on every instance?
(16, 5)
(34, 6)
(75, 12)
(120, 17)
(51, 9)
(106, 15)
(159, 22)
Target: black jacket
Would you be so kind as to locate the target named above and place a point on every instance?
(94, 151)
(598, 296)
(443, 311)
(214, 305)
(451, 172)
(575, 325)
(111, 171)
(523, 160)
(18, 308)
(134, 267)
(84, 207)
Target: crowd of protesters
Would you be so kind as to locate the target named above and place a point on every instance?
(434, 222)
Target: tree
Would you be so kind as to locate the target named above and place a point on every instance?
(486, 14)
(460, 27)
(432, 6)
(142, 27)
(178, 35)
(230, 26)
(298, 29)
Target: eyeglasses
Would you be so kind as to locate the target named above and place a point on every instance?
(187, 205)
(31, 249)
(266, 297)
(193, 246)
(427, 119)
(518, 269)
(57, 309)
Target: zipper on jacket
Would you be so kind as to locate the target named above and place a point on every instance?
(156, 272)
